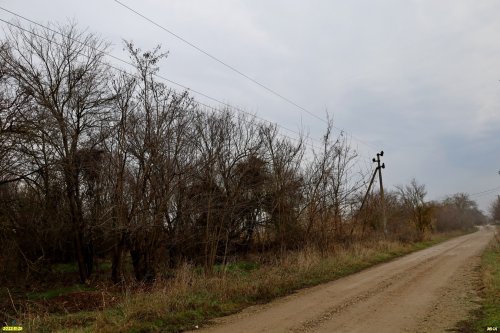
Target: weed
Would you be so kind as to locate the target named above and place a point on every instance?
(191, 297)
(489, 315)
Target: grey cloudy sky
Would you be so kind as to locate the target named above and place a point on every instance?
(418, 79)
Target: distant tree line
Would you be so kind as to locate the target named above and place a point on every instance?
(495, 210)
(100, 164)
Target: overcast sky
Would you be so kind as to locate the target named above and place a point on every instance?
(417, 79)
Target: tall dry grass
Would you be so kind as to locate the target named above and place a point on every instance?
(191, 296)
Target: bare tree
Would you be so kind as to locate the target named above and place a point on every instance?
(66, 80)
(495, 210)
(332, 182)
(156, 142)
(129, 167)
(284, 188)
(412, 197)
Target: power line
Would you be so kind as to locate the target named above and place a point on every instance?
(232, 68)
(175, 83)
(220, 61)
(129, 74)
(156, 75)
(485, 192)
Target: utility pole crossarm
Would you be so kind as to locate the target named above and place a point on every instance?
(382, 197)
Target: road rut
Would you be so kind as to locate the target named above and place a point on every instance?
(427, 291)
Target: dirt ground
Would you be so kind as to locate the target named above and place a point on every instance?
(427, 291)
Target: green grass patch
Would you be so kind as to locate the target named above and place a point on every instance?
(240, 267)
(489, 315)
(65, 268)
(51, 293)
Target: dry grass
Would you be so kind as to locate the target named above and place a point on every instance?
(489, 315)
(192, 297)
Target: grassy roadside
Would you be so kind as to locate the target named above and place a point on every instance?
(192, 298)
(489, 314)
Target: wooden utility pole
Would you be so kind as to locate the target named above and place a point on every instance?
(364, 200)
(368, 190)
(378, 170)
(382, 198)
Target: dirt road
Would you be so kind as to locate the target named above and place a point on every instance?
(427, 291)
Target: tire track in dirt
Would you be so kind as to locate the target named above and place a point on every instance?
(421, 269)
(399, 296)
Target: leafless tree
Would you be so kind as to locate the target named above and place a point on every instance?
(133, 169)
(284, 188)
(331, 186)
(157, 144)
(495, 210)
(412, 197)
(67, 83)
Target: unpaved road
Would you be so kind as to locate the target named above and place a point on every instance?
(426, 291)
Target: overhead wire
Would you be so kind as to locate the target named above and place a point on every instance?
(219, 61)
(300, 139)
(232, 68)
(305, 140)
(163, 78)
(485, 192)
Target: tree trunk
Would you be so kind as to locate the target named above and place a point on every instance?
(116, 261)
